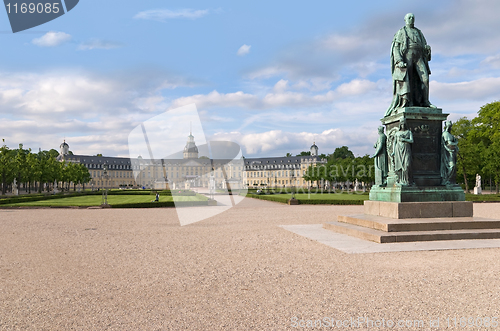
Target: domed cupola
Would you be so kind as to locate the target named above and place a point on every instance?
(64, 147)
(190, 151)
(314, 149)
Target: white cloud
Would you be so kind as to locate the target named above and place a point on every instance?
(164, 14)
(98, 44)
(463, 27)
(278, 97)
(63, 95)
(52, 39)
(107, 137)
(244, 50)
(281, 86)
(356, 87)
(95, 113)
(216, 99)
(480, 89)
(266, 72)
(313, 84)
(278, 142)
(493, 61)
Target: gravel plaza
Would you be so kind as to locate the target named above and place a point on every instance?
(138, 269)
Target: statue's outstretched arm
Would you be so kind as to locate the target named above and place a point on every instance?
(410, 139)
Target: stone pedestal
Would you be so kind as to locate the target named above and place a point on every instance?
(477, 191)
(419, 209)
(417, 194)
(426, 127)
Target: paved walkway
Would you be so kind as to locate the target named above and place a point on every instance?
(348, 244)
(138, 269)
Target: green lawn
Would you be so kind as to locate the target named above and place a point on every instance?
(327, 199)
(331, 196)
(95, 200)
(482, 197)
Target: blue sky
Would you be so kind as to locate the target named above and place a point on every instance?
(271, 76)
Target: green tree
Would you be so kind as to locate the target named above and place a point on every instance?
(470, 152)
(341, 153)
(7, 166)
(365, 169)
(82, 175)
(31, 169)
(486, 131)
(312, 174)
(21, 165)
(303, 153)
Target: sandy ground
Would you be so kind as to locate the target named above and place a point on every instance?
(137, 269)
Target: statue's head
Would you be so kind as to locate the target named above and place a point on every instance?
(380, 129)
(402, 124)
(409, 19)
(447, 125)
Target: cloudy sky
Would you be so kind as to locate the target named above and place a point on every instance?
(273, 76)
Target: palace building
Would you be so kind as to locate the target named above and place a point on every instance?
(280, 171)
(193, 171)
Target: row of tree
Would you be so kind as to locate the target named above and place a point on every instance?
(479, 147)
(342, 166)
(36, 171)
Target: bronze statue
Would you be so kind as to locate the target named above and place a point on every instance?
(410, 56)
(380, 156)
(449, 149)
(402, 154)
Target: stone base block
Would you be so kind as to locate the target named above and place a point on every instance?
(419, 209)
(212, 202)
(417, 194)
(427, 230)
(477, 190)
(293, 202)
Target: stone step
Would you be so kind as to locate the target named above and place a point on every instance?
(420, 224)
(430, 209)
(410, 236)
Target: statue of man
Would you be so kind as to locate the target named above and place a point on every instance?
(449, 151)
(402, 154)
(410, 56)
(478, 180)
(380, 156)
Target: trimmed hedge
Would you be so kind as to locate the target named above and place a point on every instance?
(39, 197)
(307, 201)
(330, 202)
(269, 198)
(48, 196)
(152, 192)
(161, 204)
